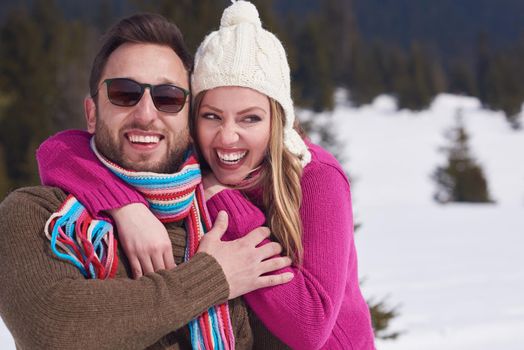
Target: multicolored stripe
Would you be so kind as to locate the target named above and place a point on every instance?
(87, 243)
(170, 196)
(173, 197)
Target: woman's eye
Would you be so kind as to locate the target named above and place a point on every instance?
(252, 119)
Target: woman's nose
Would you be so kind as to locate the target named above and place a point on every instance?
(228, 134)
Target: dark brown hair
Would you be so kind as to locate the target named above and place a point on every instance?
(140, 28)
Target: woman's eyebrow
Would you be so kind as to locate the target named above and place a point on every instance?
(249, 109)
(212, 108)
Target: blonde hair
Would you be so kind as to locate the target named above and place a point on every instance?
(279, 179)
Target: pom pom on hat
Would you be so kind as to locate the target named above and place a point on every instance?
(242, 53)
(240, 12)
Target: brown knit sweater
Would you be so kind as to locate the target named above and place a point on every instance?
(47, 304)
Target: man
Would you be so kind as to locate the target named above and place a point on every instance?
(46, 302)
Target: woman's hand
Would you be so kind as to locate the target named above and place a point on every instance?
(211, 185)
(144, 239)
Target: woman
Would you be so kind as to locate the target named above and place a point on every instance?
(260, 170)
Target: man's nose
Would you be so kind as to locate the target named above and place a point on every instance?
(145, 110)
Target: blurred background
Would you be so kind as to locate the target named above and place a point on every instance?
(421, 100)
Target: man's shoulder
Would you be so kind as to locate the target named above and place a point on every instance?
(23, 199)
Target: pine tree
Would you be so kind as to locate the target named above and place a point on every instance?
(312, 78)
(24, 53)
(499, 77)
(195, 18)
(368, 75)
(461, 179)
(381, 317)
(4, 179)
(38, 51)
(505, 91)
(339, 30)
(425, 78)
(462, 78)
(484, 58)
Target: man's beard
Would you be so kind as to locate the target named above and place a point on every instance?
(109, 146)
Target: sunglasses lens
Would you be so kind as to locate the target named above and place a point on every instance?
(169, 98)
(124, 92)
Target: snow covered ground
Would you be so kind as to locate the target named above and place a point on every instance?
(455, 271)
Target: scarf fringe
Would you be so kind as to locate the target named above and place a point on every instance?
(87, 243)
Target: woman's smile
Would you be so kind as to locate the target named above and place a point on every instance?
(233, 130)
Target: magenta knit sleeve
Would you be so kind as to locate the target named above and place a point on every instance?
(66, 160)
(302, 313)
(243, 215)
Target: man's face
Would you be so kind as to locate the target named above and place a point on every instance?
(141, 137)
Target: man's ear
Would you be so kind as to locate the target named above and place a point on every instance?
(90, 114)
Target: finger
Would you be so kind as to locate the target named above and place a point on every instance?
(147, 265)
(158, 262)
(269, 250)
(136, 269)
(274, 280)
(220, 225)
(169, 260)
(274, 264)
(256, 236)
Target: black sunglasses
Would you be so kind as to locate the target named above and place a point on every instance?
(125, 92)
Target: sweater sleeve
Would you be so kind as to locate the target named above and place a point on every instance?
(47, 304)
(302, 313)
(243, 215)
(66, 160)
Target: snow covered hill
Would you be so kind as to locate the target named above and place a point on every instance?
(454, 271)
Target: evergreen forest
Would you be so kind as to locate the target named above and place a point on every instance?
(368, 47)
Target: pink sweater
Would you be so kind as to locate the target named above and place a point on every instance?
(322, 307)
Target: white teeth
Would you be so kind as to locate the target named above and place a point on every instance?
(231, 158)
(143, 139)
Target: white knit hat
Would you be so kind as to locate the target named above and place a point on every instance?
(242, 53)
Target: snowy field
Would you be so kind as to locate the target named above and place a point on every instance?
(454, 271)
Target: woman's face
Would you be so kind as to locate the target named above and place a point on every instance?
(233, 125)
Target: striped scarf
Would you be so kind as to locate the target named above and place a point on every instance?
(171, 197)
